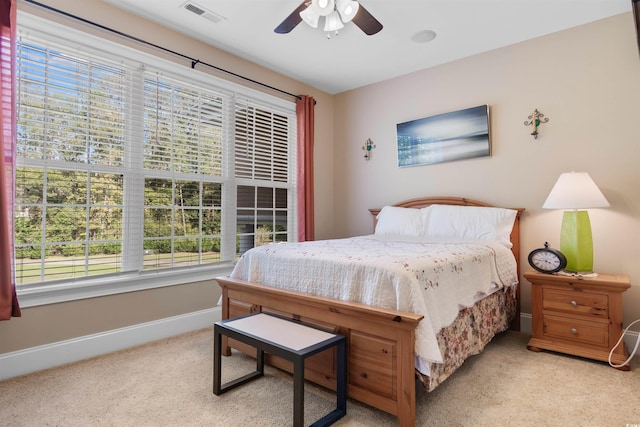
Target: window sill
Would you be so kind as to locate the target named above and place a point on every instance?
(117, 284)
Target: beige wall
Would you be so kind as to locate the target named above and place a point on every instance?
(57, 322)
(65, 321)
(586, 80)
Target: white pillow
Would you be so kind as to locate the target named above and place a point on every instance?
(396, 221)
(426, 214)
(472, 222)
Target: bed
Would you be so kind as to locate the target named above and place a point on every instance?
(399, 340)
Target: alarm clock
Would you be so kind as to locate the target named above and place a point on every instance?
(547, 260)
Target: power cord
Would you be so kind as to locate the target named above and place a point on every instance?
(618, 343)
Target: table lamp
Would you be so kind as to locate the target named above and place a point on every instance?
(576, 191)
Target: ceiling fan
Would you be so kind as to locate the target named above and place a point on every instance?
(336, 12)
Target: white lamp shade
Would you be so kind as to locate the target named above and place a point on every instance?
(310, 16)
(323, 7)
(575, 190)
(332, 22)
(347, 9)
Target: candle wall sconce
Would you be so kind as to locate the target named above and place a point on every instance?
(535, 119)
(367, 147)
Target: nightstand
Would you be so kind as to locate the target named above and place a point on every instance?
(575, 315)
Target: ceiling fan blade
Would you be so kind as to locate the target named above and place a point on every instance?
(292, 20)
(366, 22)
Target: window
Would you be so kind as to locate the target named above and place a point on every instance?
(261, 156)
(183, 162)
(128, 164)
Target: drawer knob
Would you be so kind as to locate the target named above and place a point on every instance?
(574, 331)
(574, 303)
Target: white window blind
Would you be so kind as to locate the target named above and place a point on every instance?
(183, 127)
(262, 144)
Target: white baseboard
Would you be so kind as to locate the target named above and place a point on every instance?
(525, 323)
(34, 359)
(50, 355)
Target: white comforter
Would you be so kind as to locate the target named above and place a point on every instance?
(429, 277)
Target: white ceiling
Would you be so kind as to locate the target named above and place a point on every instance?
(353, 59)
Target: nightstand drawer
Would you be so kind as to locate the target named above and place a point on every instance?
(576, 302)
(583, 331)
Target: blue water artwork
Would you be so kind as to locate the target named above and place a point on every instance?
(462, 134)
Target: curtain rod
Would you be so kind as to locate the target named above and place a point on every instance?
(194, 61)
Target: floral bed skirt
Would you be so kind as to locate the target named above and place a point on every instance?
(470, 333)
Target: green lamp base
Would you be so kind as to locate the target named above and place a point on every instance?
(575, 241)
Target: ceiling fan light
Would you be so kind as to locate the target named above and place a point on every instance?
(310, 16)
(347, 9)
(323, 7)
(332, 22)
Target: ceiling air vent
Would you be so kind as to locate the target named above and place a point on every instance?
(201, 11)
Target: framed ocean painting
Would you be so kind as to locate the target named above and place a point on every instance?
(458, 135)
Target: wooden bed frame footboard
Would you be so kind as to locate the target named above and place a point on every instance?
(381, 365)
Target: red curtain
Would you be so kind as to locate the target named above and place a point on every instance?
(304, 110)
(8, 301)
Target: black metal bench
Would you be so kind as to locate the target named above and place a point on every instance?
(291, 341)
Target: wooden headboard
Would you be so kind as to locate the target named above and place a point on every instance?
(422, 202)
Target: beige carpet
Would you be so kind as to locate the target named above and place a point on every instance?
(168, 383)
